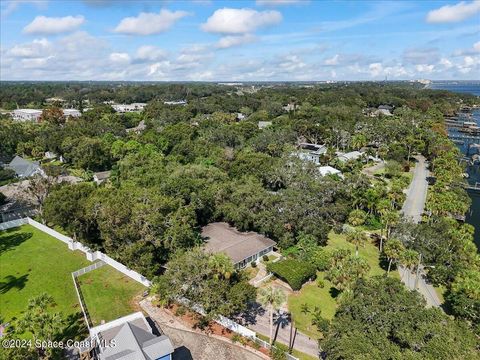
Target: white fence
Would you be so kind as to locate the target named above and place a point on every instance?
(89, 268)
(75, 245)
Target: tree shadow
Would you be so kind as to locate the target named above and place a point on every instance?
(13, 282)
(10, 241)
(281, 320)
(76, 327)
(249, 317)
(334, 292)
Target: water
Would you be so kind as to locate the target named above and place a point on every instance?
(473, 87)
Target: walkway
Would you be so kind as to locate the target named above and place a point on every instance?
(413, 209)
(190, 344)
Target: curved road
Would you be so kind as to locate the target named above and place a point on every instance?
(412, 209)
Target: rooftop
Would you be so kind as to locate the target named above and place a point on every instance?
(222, 238)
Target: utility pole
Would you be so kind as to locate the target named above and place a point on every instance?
(418, 270)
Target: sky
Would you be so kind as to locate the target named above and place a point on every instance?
(254, 40)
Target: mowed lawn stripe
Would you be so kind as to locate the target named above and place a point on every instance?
(33, 262)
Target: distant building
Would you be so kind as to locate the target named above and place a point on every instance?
(137, 129)
(241, 247)
(25, 168)
(100, 177)
(353, 155)
(124, 108)
(328, 170)
(54, 100)
(26, 114)
(291, 107)
(311, 152)
(176, 102)
(240, 116)
(264, 124)
(72, 112)
(130, 338)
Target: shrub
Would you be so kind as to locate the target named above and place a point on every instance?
(253, 264)
(320, 283)
(373, 223)
(294, 272)
(265, 258)
(236, 338)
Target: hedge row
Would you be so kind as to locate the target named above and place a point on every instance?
(294, 272)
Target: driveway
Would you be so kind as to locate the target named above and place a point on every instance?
(194, 345)
(417, 192)
(412, 209)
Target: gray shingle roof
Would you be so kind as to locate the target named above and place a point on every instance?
(24, 168)
(222, 238)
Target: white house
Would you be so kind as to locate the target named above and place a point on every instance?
(71, 112)
(176, 102)
(311, 152)
(130, 338)
(353, 155)
(123, 108)
(26, 114)
(328, 170)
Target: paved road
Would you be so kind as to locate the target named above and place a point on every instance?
(302, 342)
(412, 209)
(417, 192)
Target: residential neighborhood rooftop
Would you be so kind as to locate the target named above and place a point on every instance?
(220, 237)
(24, 168)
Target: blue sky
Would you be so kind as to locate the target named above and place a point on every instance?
(239, 40)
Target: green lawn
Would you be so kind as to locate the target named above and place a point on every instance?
(312, 295)
(32, 262)
(109, 294)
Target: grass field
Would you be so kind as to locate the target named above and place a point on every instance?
(32, 262)
(109, 294)
(313, 295)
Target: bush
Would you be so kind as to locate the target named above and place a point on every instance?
(265, 258)
(253, 264)
(294, 272)
(373, 223)
(320, 283)
(236, 338)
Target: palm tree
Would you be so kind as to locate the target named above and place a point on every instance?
(394, 250)
(357, 238)
(409, 259)
(358, 141)
(273, 299)
(221, 265)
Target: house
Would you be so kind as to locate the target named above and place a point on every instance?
(328, 170)
(176, 102)
(353, 155)
(241, 247)
(137, 129)
(130, 338)
(25, 168)
(71, 112)
(290, 107)
(26, 114)
(124, 108)
(240, 116)
(264, 124)
(311, 152)
(54, 100)
(100, 177)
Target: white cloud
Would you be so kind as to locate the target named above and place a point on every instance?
(9, 7)
(424, 68)
(375, 69)
(476, 46)
(36, 48)
(234, 40)
(149, 23)
(279, 2)
(150, 53)
(454, 13)
(122, 58)
(332, 61)
(420, 55)
(240, 21)
(53, 25)
(446, 63)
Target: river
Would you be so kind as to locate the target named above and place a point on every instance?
(473, 87)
